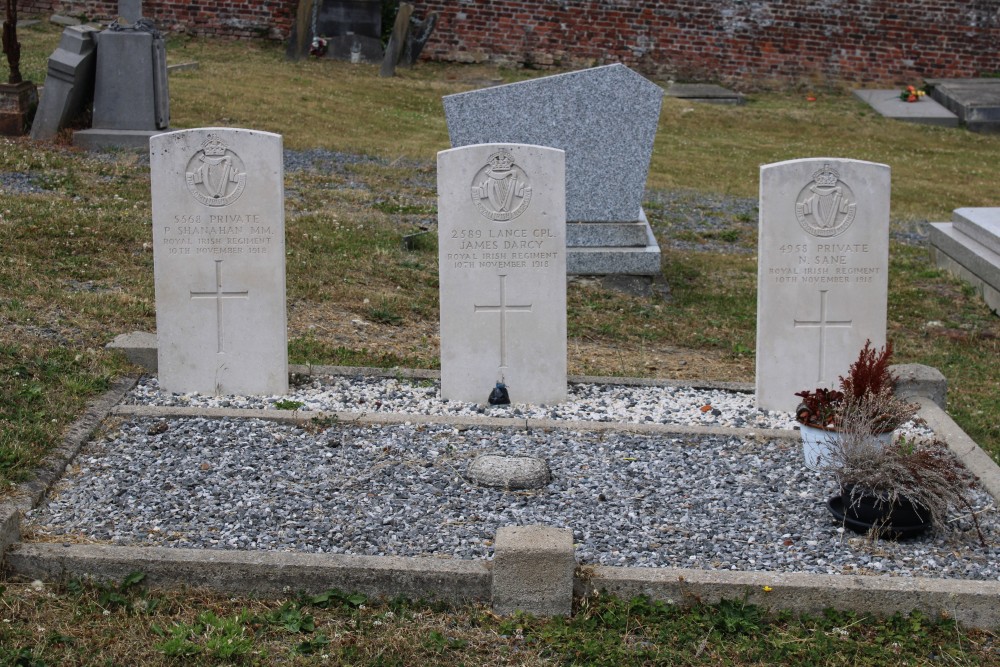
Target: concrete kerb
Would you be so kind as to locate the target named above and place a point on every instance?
(973, 603)
(275, 574)
(260, 573)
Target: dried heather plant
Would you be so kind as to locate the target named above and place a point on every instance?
(925, 473)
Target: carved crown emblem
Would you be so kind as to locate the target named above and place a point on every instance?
(827, 176)
(213, 145)
(501, 161)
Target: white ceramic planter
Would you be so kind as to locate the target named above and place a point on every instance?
(816, 444)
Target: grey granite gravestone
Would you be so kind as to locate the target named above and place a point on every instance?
(131, 100)
(969, 247)
(219, 261)
(822, 272)
(605, 119)
(69, 83)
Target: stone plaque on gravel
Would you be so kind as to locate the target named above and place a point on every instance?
(502, 267)
(219, 261)
(509, 472)
(822, 276)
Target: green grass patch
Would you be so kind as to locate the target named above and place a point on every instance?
(109, 623)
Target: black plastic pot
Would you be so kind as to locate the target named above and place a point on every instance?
(898, 520)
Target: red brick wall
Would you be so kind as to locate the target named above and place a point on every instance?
(738, 41)
(751, 43)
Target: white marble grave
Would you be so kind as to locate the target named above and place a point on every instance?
(502, 264)
(219, 261)
(822, 276)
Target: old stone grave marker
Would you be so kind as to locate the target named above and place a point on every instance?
(502, 266)
(352, 29)
(605, 118)
(822, 276)
(219, 261)
(69, 83)
(131, 98)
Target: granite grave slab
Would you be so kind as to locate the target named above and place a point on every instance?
(975, 101)
(926, 112)
(605, 118)
(219, 261)
(502, 269)
(969, 248)
(822, 280)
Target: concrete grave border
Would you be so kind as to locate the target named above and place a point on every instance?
(275, 574)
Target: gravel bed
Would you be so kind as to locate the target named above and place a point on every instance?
(631, 499)
(636, 500)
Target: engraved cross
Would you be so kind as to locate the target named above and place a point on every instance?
(823, 324)
(503, 308)
(219, 294)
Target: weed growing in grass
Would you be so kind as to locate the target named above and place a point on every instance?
(384, 312)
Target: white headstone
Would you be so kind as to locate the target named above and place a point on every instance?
(219, 261)
(502, 263)
(822, 277)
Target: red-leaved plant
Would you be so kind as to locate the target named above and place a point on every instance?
(867, 388)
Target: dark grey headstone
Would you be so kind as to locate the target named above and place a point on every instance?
(69, 84)
(605, 119)
(301, 35)
(398, 39)
(130, 10)
(416, 38)
(356, 17)
(352, 29)
(130, 91)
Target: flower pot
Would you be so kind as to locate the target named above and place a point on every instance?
(863, 512)
(817, 443)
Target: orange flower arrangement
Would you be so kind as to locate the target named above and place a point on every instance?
(912, 94)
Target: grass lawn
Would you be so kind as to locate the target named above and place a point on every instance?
(76, 270)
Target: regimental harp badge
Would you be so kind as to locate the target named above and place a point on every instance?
(826, 207)
(215, 174)
(501, 190)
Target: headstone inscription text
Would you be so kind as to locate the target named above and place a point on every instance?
(502, 264)
(219, 261)
(822, 272)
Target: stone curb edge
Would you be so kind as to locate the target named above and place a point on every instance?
(390, 418)
(279, 574)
